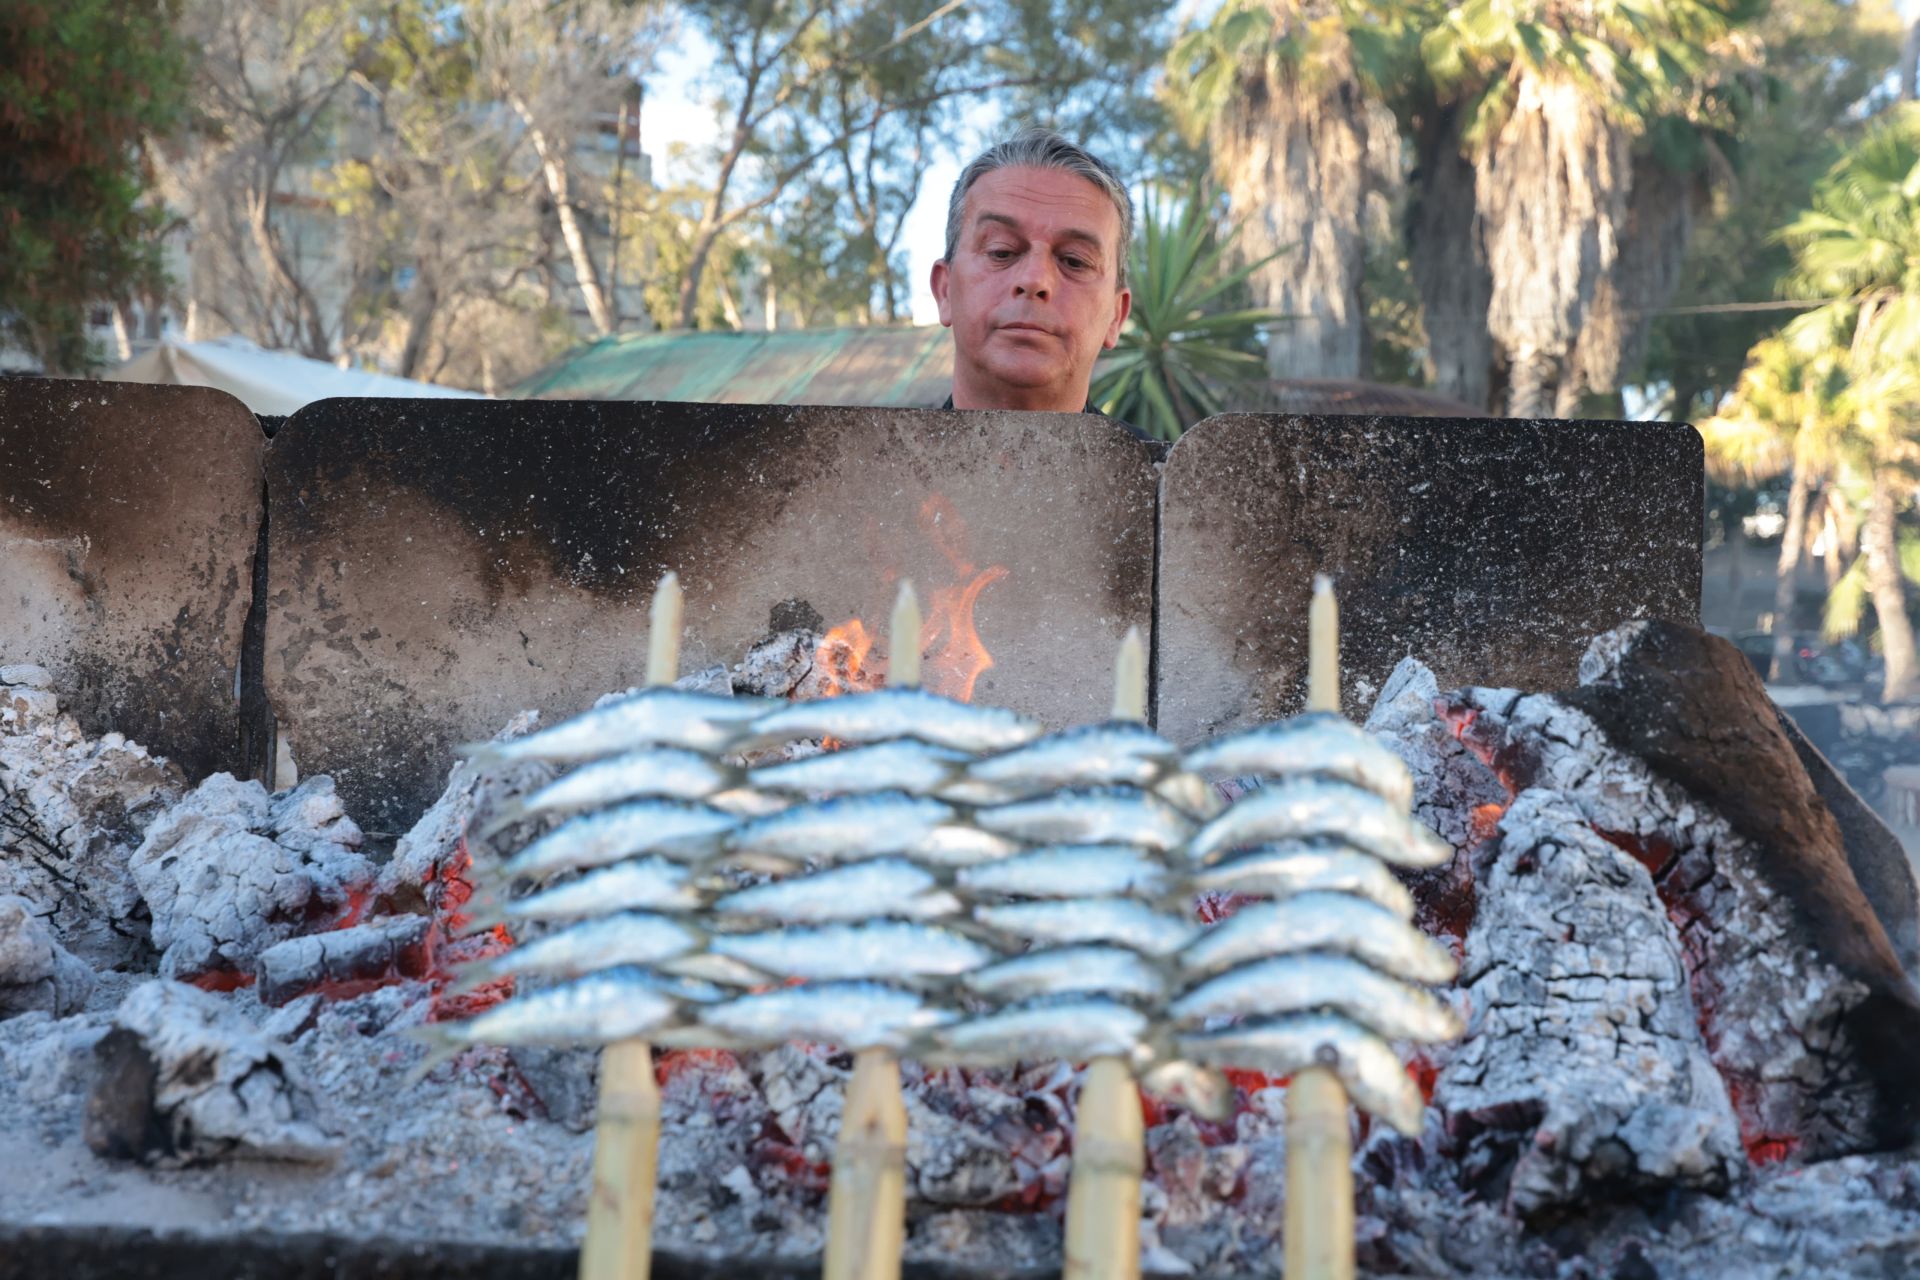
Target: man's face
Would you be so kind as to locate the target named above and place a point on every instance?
(1030, 293)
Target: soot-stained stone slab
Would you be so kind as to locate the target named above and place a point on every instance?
(128, 518)
(1492, 550)
(436, 567)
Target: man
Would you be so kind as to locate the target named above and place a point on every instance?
(1034, 282)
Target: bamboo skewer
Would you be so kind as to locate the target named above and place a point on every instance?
(867, 1198)
(626, 1142)
(1109, 1152)
(1319, 1214)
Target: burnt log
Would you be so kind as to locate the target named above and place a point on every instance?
(1691, 706)
(344, 961)
(1672, 752)
(186, 1079)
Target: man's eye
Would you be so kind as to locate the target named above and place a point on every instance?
(999, 255)
(1077, 264)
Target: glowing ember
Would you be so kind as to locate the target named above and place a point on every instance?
(842, 660)
(1484, 821)
(444, 951)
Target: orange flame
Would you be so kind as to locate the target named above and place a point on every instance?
(842, 659)
(954, 654)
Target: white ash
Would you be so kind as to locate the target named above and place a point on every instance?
(776, 666)
(72, 808)
(1583, 1075)
(494, 1148)
(231, 870)
(219, 1088)
(1776, 1007)
(36, 972)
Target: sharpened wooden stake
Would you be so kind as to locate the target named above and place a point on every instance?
(1103, 1188)
(626, 1139)
(867, 1198)
(1130, 678)
(1109, 1136)
(1319, 1215)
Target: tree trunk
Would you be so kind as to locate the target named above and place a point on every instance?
(703, 243)
(1552, 194)
(586, 273)
(1652, 250)
(1293, 157)
(420, 309)
(1787, 570)
(1533, 384)
(309, 330)
(1889, 592)
(1450, 267)
(1910, 63)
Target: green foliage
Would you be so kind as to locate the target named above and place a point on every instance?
(1859, 244)
(1644, 58)
(82, 82)
(1845, 610)
(1308, 41)
(1816, 63)
(1185, 341)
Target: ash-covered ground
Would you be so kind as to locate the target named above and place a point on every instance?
(1658, 1078)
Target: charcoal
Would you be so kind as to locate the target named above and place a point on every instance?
(1807, 1013)
(72, 810)
(390, 947)
(1583, 1075)
(566, 1081)
(775, 667)
(231, 870)
(36, 972)
(211, 1086)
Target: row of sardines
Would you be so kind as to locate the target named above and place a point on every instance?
(957, 885)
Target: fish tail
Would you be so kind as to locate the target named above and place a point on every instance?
(483, 754)
(473, 976)
(509, 812)
(443, 1042)
(485, 910)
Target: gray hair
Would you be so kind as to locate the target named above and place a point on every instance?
(1038, 148)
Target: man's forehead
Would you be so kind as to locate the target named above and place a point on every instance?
(1050, 202)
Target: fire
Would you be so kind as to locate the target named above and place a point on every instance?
(842, 660)
(954, 654)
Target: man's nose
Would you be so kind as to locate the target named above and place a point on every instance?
(1036, 277)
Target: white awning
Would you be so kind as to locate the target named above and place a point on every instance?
(272, 382)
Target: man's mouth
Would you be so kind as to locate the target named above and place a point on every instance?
(1023, 327)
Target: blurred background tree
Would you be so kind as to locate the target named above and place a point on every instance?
(81, 83)
(1190, 341)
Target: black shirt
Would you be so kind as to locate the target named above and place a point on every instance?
(1096, 413)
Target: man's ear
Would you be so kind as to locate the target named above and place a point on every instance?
(1122, 308)
(939, 283)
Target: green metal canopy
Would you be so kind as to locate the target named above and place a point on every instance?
(890, 367)
(886, 367)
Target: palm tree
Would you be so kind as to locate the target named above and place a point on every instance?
(1588, 127)
(1273, 87)
(1860, 245)
(1791, 414)
(1181, 346)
